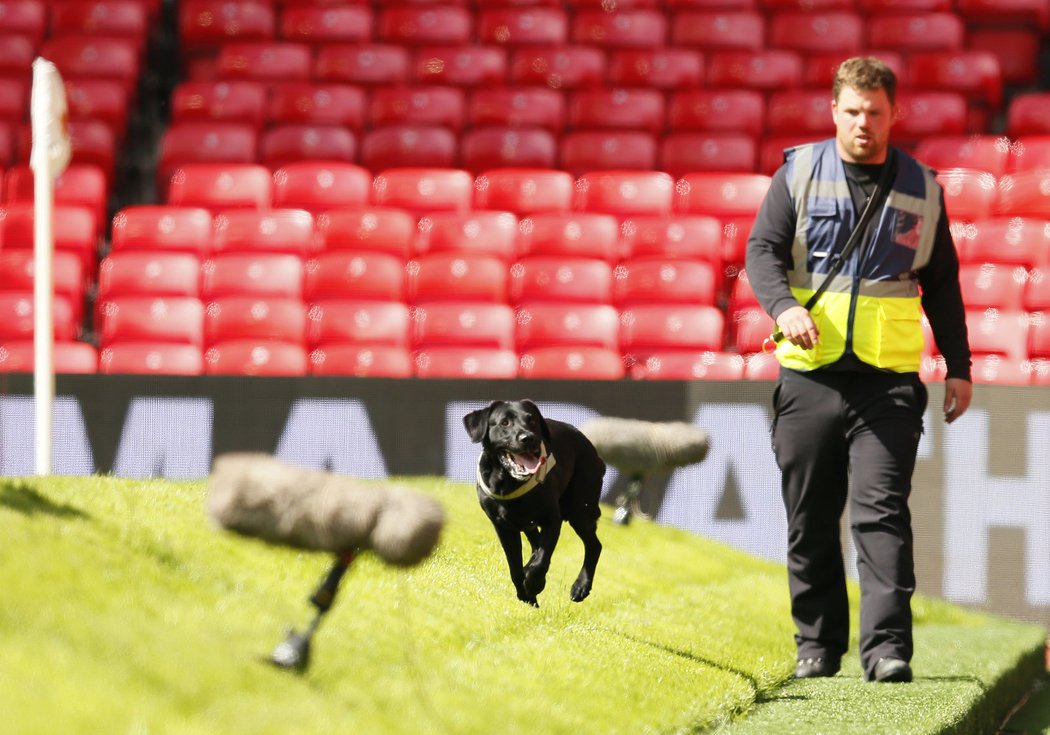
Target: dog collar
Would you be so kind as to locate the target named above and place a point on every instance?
(547, 462)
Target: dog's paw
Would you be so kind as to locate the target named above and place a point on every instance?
(535, 581)
(580, 589)
(528, 599)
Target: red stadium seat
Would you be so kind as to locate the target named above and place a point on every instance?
(25, 18)
(221, 186)
(18, 273)
(557, 67)
(273, 231)
(720, 30)
(281, 145)
(545, 324)
(575, 234)
(974, 74)
(362, 360)
(17, 317)
(14, 96)
(418, 105)
(317, 103)
(144, 273)
(75, 231)
(7, 143)
(1037, 291)
(370, 64)
(625, 193)
(267, 61)
(998, 332)
(457, 276)
(657, 327)
(766, 70)
(567, 362)
(424, 24)
(394, 146)
(1006, 240)
(741, 294)
(630, 108)
(670, 68)
(193, 142)
(968, 194)
(921, 114)
(1039, 339)
(582, 151)
(484, 232)
(524, 190)
(504, 146)
(80, 185)
(817, 31)
(67, 357)
(1005, 12)
(204, 25)
(160, 227)
(520, 107)
(684, 153)
(381, 229)
(1026, 114)
(520, 26)
(689, 365)
(469, 361)
(1029, 153)
(737, 111)
(265, 274)
(254, 317)
(349, 274)
(920, 31)
(96, 57)
(762, 366)
(998, 370)
(987, 152)
(151, 358)
(721, 195)
(1024, 194)
(238, 101)
(820, 67)
(318, 24)
(467, 65)
(370, 322)
(993, 285)
(424, 189)
(177, 319)
(691, 237)
(1016, 48)
(626, 28)
(771, 151)
(16, 54)
(560, 279)
(317, 186)
(799, 112)
(115, 18)
(104, 100)
(255, 357)
(904, 6)
(474, 324)
(749, 328)
(656, 280)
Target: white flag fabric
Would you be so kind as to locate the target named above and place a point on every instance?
(49, 116)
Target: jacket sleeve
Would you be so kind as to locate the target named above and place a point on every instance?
(943, 303)
(769, 248)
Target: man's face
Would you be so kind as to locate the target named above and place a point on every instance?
(863, 118)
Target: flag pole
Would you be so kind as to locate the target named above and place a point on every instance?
(50, 155)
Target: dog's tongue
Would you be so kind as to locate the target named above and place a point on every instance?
(530, 462)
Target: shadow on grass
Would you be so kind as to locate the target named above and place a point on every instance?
(20, 497)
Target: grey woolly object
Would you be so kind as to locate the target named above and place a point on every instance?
(634, 446)
(256, 495)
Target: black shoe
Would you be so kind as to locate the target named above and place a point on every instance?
(891, 669)
(811, 668)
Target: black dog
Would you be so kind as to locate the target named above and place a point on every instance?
(533, 474)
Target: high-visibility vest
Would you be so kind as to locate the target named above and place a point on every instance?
(873, 304)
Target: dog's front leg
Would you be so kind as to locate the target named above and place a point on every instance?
(510, 540)
(540, 562)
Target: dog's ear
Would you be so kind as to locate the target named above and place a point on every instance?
(477, 422)
(544, 429)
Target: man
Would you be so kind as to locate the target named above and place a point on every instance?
(848, 404)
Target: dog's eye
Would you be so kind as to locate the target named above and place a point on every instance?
(504, 422)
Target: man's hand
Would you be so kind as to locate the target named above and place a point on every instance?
(957, 395)
(797, 327)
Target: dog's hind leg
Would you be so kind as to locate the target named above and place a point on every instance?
(587, 530)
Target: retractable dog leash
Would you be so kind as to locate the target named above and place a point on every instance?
(874, 202)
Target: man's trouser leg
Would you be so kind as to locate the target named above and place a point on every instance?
(884, 416)
(810, 447)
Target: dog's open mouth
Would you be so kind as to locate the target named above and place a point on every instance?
(521, 466)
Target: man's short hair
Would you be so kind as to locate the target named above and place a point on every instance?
(865, 73)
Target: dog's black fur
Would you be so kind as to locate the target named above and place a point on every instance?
(569, 492)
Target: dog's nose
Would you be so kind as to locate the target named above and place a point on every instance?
(525, 437)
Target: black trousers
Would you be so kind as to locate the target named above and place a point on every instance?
(849, 437)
